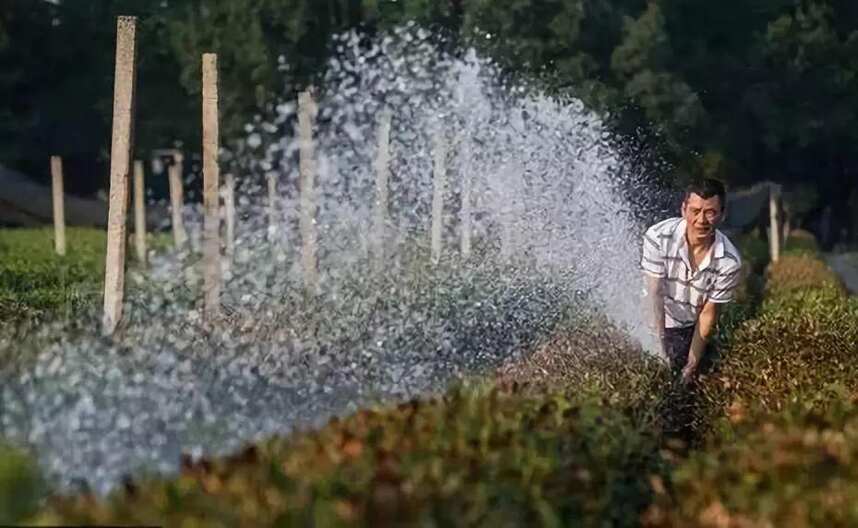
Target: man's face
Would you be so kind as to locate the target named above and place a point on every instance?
(702, 216)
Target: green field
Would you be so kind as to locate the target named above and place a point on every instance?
(773, 440)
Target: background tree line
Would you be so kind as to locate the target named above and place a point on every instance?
(746, 90)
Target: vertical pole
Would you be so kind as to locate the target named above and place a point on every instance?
(465, 212)
(120, 168)
(229, 206)
(272, 206)
(177, 201)
(211, 188)
(439, 178)
(307, 166)
(774, 230)
(59, 205)
(382, 175)
(139, 213)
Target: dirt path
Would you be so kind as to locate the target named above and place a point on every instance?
(845, 265)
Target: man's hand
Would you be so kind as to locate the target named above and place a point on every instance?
(690, 369)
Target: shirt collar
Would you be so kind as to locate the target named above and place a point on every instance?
(682, 246)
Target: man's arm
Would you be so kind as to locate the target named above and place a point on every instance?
(702, 331)
(655, 305)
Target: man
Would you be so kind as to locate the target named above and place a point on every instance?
(690, 268)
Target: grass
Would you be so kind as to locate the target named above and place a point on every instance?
(37, 285)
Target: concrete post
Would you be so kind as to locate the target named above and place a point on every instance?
(272, 206)
(465, 212)
(177, 201)
(307, 166)
(211, 188)
(59, 205)
(382, 175)
(120, 168)
(774, 228)
(440, 182)
(229, 207)
(139, 213)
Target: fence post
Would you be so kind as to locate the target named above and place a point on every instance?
(465, 212)
(177, 201)
(439, 180)
(120, 167)
(382, 175)
(774, 214)
(229, 207)
(307, 167)
(139, 213)
(272, 205)
(59, 205)
(211, 188)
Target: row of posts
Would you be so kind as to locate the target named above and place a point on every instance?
(120, 168)
(120, 160)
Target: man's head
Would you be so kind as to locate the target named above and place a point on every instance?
(703, 208)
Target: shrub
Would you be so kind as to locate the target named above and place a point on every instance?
(800, 242)
(477, 456)
(796, 468)
(799, 272)
(20, 486)
(805, 338)
(596, 360)
(754, 251)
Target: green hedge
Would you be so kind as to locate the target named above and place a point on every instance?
(478, 456)
(783, 444)
(797, 468)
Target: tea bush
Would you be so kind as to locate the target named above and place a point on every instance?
(794, 273)
(784, 425)
(477, 456)
(800, 242)
(804, 338)
(797, 468)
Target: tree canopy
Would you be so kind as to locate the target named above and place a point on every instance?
(745, 90)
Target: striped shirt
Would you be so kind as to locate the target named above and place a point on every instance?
(665, 256)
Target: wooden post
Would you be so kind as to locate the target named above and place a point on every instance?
(272, 206)
(774, 228)
(120, 168)
(229, 207)
(59, 205)
(177, 201)
(211, 188)
(307, 167)
(465, 212)
(382, 175)
(439, 179)
(139, 213)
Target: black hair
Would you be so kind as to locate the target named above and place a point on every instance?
(707, 188)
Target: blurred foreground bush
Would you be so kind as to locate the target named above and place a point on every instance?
(20, 486)
(797, 468)
(477, 456)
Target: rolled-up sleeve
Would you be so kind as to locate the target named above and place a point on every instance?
(724, 287)
(652, 256)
